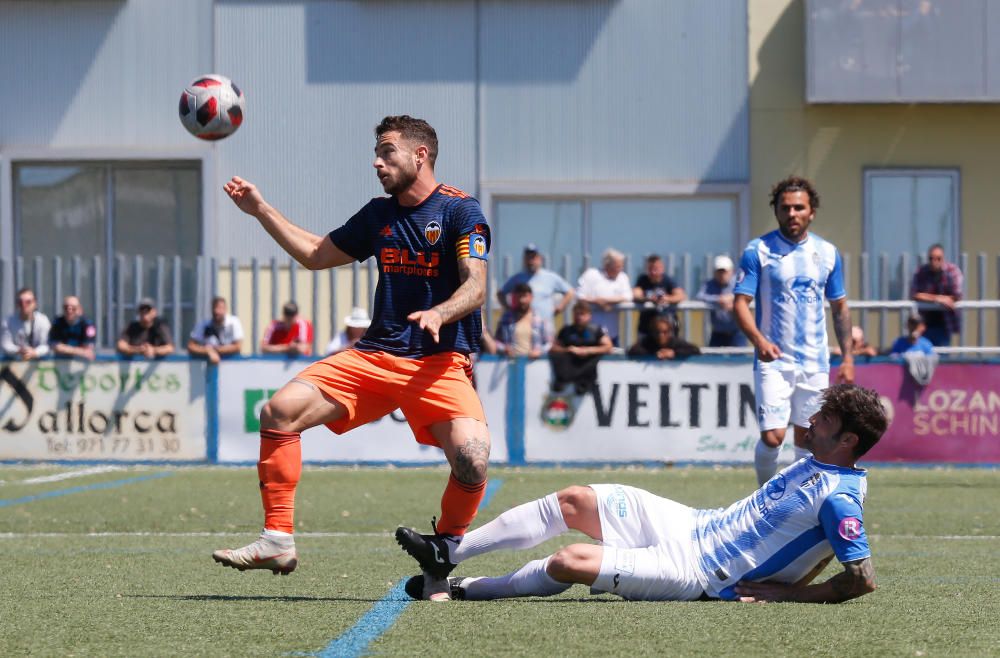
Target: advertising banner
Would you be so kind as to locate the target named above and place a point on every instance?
(244, 387)
(644, 411)
(954, 418)
(103, 410)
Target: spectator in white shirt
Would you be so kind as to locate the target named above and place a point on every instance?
(605, 288)
(355, 326)
(219, 336)
(25, 334)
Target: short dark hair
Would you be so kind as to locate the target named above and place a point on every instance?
(290, 309)
(581, 305)
(415, 131)
(24, 290)
(794, 184)
(521, 288)
(860, 411)
(216, 300)
(653, 258)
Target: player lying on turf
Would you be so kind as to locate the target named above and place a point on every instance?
(767, 547)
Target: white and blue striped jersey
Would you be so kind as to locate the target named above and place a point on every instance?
(784, 529)
(791, 283)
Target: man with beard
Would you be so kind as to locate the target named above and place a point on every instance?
(431, 243)
(792, 273)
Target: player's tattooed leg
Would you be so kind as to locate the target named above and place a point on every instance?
(471, 460)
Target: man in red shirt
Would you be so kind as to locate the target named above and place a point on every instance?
(291, 335)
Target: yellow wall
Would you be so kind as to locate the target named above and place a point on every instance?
(833, 144)
(304, 298)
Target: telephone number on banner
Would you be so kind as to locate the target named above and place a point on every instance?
(63, 447)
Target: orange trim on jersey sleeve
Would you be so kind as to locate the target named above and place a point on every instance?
(448, 190)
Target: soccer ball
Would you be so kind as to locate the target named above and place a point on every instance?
(212, 107)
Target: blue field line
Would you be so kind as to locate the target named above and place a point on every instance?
(380, 618)
(7, 502)
(375, 622)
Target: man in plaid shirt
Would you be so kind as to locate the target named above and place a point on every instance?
(939, 282)
(521, 331)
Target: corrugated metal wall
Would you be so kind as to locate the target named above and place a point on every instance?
(613, 90)
(519, 90)
(99, 74)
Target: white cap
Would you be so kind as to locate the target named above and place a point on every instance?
(358, 319)
(723, 263)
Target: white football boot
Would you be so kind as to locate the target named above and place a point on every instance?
(268, 552)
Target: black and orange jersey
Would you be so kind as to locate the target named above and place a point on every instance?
(417, 249)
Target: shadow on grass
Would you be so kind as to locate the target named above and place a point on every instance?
(349, 599)
(235, 597)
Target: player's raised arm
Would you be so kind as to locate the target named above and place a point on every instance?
(315, 252)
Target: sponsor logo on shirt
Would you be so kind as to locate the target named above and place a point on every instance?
(801, 290)
(432, 232)
(850, 528)
(740, 275)
(776, 486)
(403, 261)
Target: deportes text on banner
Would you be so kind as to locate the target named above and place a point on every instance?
(105, 410)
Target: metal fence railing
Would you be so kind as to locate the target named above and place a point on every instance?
(256, 290)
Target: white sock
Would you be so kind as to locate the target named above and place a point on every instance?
(529, 580)
(523, 526)
(284, 539)
(801, 452)
(765, 461)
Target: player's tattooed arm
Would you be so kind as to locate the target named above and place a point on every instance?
(842, 328)
(857, 579)
(842, 324)
(469, 296)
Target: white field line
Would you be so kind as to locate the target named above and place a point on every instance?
(79, 473)
(300, 535)
(321, 535)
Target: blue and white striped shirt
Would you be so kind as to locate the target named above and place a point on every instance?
(791, 283)
(784, 529)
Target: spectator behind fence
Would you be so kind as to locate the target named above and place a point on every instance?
(72, 334)
(219, 336)
(913, 340)
(576, 351)
(148, 335)
(605, 288)
(355, 326)
(939, 282)
(661, 342)
(859, 344)
(717, 292)
(521, 331)
(291, 334)
(657, 293)
(545, 285)
(24, 334)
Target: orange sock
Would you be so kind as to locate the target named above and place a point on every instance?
(459, 505)
(279, 469)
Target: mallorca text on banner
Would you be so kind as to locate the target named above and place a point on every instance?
(102, 410)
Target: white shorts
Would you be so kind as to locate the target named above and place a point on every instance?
(648, 546)
(787, 395)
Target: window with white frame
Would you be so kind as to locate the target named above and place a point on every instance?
(907, 211)
(685, 230)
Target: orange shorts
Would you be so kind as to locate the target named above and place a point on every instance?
(371, 384)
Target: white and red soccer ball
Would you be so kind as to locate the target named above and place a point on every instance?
(212, 107)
